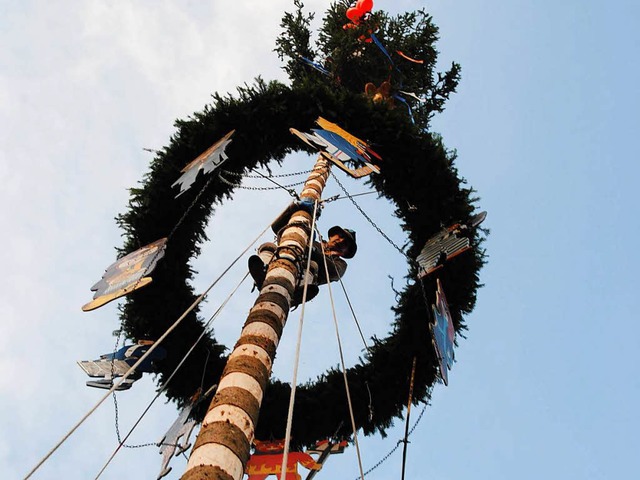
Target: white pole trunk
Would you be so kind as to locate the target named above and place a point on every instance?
(222, 448)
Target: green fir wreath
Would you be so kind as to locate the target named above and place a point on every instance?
(418, 171)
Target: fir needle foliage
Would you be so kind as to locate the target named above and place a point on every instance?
(418, 171)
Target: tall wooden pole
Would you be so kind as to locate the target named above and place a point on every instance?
(223, 445)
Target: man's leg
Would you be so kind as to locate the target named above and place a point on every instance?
(258, 263)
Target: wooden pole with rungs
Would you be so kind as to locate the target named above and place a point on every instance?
(222, 448)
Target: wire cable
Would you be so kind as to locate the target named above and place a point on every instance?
(344, 370)
(141, 359)
(353, 313)
(386, 237)
(149, 265)
(294, 381)
(338, 197)
(164, 387)
(398, 443)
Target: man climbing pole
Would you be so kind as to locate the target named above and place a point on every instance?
(341, 244)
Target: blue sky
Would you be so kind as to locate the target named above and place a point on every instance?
(544, 124)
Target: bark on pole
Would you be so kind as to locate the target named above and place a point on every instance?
(222, 448)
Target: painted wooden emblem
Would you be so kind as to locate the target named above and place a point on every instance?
(341, 148)
(448, 243)
(127, 274)
(207, 161)
(267, 460)
(112, 365)
(443, 333)
(176, 440)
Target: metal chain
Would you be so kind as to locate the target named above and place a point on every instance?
(115, 407)
(237, 185)
(175, 370)
(411, 260)
(115, 349)
(141, 445)
(424, 296)
(384, 459)
(350, 197)
(291, 191)
(424, 409)
(282, 175)
(120, 331)
(400, 442)
(284, 187)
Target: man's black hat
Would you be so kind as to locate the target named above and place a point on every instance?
(350, 236)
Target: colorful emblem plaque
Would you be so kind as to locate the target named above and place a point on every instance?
(208, 161)
(127, 274)
(443, 333)
(447, 244)
(340, 147)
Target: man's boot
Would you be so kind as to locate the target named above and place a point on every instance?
(258, 263)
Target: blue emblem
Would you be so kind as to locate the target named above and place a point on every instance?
(443, 333)
(340, 147)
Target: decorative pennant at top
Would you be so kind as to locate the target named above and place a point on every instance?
(411, 94)
(339, 146)
(443, 333)
(382, 48)
(315, 65)
(267, 460)
(207, 161)
(447, 244)
(402, 100)
(406, 57)
(127, 274)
